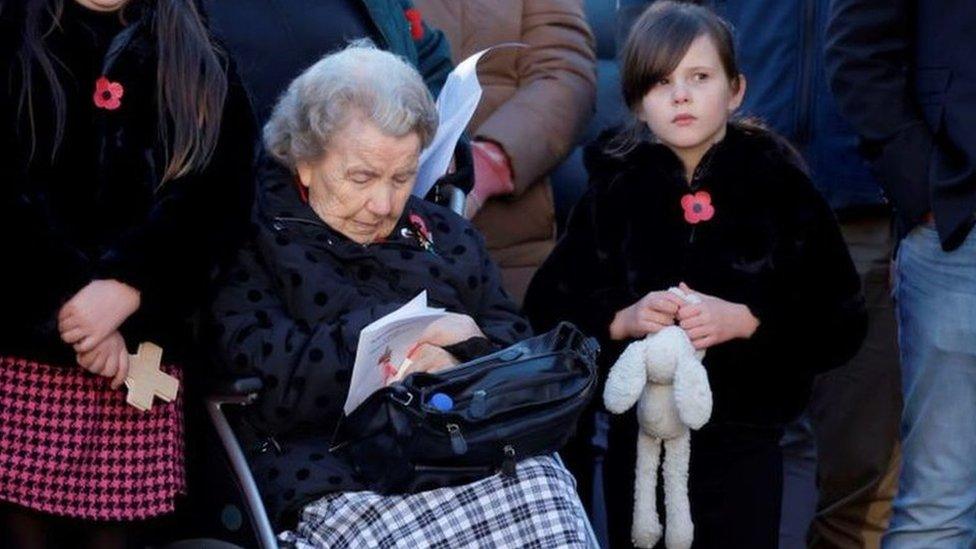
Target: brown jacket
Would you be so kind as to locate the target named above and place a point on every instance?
(537, 101)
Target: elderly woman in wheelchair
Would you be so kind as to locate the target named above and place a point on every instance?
(338, 242)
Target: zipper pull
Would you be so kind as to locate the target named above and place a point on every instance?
(478, 405)
(268, 444)
(508, 463)
(458, 444)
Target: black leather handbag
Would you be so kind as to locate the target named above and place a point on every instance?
(469, 422)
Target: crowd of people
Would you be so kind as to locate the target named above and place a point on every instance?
(232, 180)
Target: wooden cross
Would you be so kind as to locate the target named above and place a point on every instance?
(146, 380)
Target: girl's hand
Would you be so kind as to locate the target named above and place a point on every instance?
(450, 329)
(110, 358)
(425, 358)
(651, 314)
(96, 311)
(715, 320)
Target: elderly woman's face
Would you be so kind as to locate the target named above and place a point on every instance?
(361, 185)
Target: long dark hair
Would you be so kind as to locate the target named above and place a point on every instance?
(192, 80)
(655, 46)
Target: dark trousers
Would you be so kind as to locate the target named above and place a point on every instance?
(735, 485)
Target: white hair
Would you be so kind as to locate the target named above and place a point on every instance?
(358, 80)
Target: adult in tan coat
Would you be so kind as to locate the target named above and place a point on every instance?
(536, 103)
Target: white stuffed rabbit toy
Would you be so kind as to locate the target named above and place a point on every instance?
(664, 375)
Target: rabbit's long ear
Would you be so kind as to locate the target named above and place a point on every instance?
(692, 395)
(626, 379)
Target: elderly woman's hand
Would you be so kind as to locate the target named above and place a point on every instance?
(426, 358)
(450, 329)
(428, 354)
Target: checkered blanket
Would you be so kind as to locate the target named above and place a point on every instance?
(538, 508)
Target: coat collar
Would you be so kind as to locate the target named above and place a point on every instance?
(280, 204)
(742, 143)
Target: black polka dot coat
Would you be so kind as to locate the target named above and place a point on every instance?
(291, 309)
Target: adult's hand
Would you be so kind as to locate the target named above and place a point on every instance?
(96, 311)
(715, 320)
(110, 358)
(426, 358)
(450, 329)
(649, 315)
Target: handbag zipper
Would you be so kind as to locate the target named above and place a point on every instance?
(509, 461)
(458, 444)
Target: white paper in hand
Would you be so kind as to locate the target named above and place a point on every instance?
(455, 106)
(384, 344)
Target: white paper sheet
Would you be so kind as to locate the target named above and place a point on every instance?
(455, 106)
(384, 344)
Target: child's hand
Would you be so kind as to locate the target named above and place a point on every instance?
(651, 314)
(715, 320)
(96, 311)
(109, 358)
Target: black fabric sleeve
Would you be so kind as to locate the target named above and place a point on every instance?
(433, 55)
(194, 221)
(578, 281)
(812, 314)
(496, 313)
(41, 270)
(471, 348)
(868, 52)
(295, 361)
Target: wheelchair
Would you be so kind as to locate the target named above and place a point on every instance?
(224, 509)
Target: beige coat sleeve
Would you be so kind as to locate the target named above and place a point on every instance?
(539, 125)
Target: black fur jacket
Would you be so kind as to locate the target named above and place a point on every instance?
(770, 243)
(96, 209)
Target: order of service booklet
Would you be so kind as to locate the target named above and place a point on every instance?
(383, 346)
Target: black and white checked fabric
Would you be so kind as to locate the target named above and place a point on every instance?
(537, 509)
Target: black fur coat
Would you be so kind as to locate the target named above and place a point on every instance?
(771, 244)
(96, 209)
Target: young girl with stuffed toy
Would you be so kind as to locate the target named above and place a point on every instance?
(690, 197)
(126, 143)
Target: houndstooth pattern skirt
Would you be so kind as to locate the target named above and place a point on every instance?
(71, 446)
(537, 509)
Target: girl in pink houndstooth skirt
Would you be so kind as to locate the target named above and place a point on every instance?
(127, 143)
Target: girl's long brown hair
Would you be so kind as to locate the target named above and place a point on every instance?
(191, 79)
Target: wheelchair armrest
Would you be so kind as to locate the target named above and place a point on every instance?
(242, 390)
(241, 386)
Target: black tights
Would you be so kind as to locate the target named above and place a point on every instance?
(25, 529)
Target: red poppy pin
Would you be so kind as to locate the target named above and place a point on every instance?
(416, 27)
(108, 94)
(421, 233)
(698, 207)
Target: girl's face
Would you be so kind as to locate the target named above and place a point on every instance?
(102, 5)
(688, 109)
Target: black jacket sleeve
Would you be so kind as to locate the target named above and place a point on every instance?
(580, 281)
(297, 363)
(193, 222)
(433, 55)
(42, 270)
(496, 313)
(867, 59)
(811, 312)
